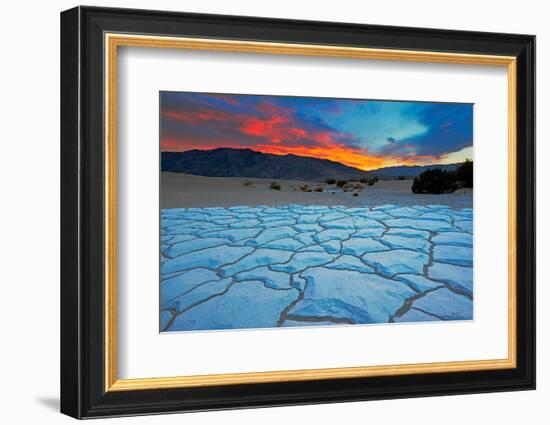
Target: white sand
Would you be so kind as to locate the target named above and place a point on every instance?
(184, 191)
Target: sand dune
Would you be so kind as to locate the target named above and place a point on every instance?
(185, 191)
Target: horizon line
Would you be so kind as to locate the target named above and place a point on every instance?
(313, 157)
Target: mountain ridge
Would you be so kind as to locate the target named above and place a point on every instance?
(232, 162)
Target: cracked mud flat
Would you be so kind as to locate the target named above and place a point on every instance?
(261, 267)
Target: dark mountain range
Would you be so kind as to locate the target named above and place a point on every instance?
(229, 162)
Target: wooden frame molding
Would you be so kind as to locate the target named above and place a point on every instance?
(113, 41)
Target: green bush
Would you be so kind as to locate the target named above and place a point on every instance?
(435, 181)
(330, 181)
(465, 173)
(275, 186)
(372, 181)
(341, 183)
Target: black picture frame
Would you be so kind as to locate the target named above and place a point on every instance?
(83, 392)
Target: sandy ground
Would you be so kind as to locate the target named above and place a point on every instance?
(184, 191)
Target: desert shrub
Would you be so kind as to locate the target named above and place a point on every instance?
(247, 183)
(435, 181)
(372, 181)
(318, 189)
(275, 186)
(358, 186)
(364, 180)
(341, 183)
(465, 173)
(401, 177)
(330, 181)
(355, 194)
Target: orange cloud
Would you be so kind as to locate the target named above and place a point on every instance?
(342, 154)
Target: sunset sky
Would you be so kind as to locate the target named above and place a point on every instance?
(366, 134)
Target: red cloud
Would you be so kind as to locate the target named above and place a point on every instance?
(229, 99)
(273, 126)
(204, 115)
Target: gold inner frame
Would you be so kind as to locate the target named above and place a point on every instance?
(113, 41)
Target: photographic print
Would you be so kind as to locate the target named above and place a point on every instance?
(285, 211)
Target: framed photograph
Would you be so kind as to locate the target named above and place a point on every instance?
(261, 212)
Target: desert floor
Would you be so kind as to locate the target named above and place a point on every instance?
(236, 255)
(187, 191)
(262, 267)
